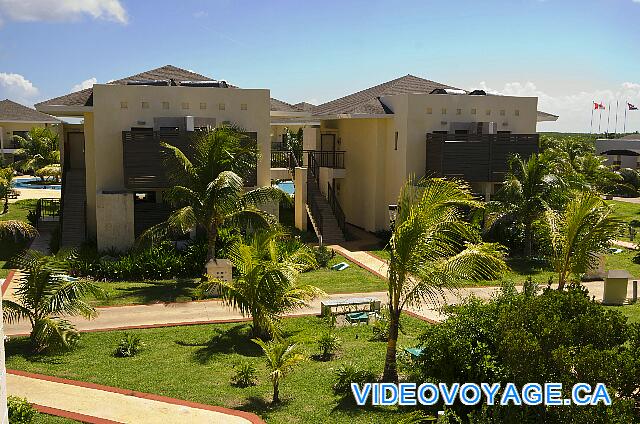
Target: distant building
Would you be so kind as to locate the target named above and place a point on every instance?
(621, 152)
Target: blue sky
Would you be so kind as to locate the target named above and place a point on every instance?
(566, 52)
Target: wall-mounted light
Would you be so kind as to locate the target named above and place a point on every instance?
(393, 215)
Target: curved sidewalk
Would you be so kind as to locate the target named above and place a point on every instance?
(98, 404)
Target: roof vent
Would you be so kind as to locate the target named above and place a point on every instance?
(209, 83)
(478, 93)
(149, 82)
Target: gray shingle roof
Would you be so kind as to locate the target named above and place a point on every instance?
(367, 101)
(304, 106)
(85, 97)
(12, 111)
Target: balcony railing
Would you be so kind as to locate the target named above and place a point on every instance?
(328, 159)
(143, 158)
(476, 157)
(285, 159)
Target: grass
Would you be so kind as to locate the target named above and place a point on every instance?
(8, 248)
(627, 212)
(623, 260)
(631, 311)
(196, 363)
(51, 419)
(118, 293)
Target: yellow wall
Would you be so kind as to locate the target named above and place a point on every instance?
(8, 128)
(103, 127)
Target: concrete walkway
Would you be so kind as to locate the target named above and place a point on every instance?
(116, 405)
(625, 244)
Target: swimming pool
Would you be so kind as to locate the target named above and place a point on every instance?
(286, 186)
(24, 183)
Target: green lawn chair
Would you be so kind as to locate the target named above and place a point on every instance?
(358, 317)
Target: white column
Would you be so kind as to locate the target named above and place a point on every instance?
(3, 377)
(300, 198)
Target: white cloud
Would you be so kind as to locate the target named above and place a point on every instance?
(88, 83)
(62, 10)
(17, 88)
(575, 109)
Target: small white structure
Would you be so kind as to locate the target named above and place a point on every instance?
(220, 269)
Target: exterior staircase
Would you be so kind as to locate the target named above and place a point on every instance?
(73, 209)
(322, 217)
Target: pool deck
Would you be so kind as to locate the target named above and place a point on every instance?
(34, 193)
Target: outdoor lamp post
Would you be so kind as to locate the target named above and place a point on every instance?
(393, 215)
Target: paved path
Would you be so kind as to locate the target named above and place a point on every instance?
(117, 405)
(625, 244)
(627, 199)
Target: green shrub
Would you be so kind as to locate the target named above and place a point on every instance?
(323, 255)
(328, 344)
(20, 410)
(32, 217)
(54, 242)
(129, 346)
(562, 336)
(246, 374)
(350, 373)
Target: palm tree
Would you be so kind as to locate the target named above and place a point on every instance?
(208, 189)
(38, 149)
(265, 286)
(578, 233)
(6, 177)
(432, 249)
(281, 358)
(43, 296)
(527, 191)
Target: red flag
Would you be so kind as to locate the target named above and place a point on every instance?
(632, 107)
(597, 105)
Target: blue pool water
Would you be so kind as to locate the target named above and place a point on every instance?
(23, 183)
(286, 186)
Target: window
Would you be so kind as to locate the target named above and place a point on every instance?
(462, 131)
(444, 110)
(504, 132)
(165, 105)
(441, 132)
(145, 105)
(396, 142)
(203, 105)
(473, 111)
(185, 105)
(124, 105)
(243, 106)
(458, 111)
(503, 112)
(429, 111)
(488, 112)
(221, 106)
(516, 112)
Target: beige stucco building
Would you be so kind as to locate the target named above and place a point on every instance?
(358, 150)
(17, 120)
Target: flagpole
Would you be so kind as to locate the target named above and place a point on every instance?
(591, 126)
(600, 121)
(617, 107)
(608, 117)
(625, 118)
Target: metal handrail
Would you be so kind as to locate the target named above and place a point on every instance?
(335, 207)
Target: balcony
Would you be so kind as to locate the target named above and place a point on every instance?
(143, 158)
(476, 157)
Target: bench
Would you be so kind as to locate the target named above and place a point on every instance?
(350, 305)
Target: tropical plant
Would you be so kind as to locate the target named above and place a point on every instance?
(526, 193)
(20, 411)
(129, 346)
(265, 284)
(281, 358)
(578, 233)
(432, 249)
(350, 373)
(16, 229)
(246, 374)
(6, 177)
(208, 189)
(54, 171)
(39, 148)
(44, 296)
(328, 344)
(323, 255)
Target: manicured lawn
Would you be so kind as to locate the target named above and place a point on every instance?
(627, 212)
(144, 292)
(520, 269)
(8, 248)
(196, 363)
(631, 311)
(623, 260)
(52, 419)
(351, 280)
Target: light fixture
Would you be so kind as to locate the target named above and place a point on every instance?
(393, 215)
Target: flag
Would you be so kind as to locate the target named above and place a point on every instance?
(597, 105)
(632, 107)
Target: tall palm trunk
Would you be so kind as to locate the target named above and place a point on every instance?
(390, 374)
(212, 238)
(528, 240)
